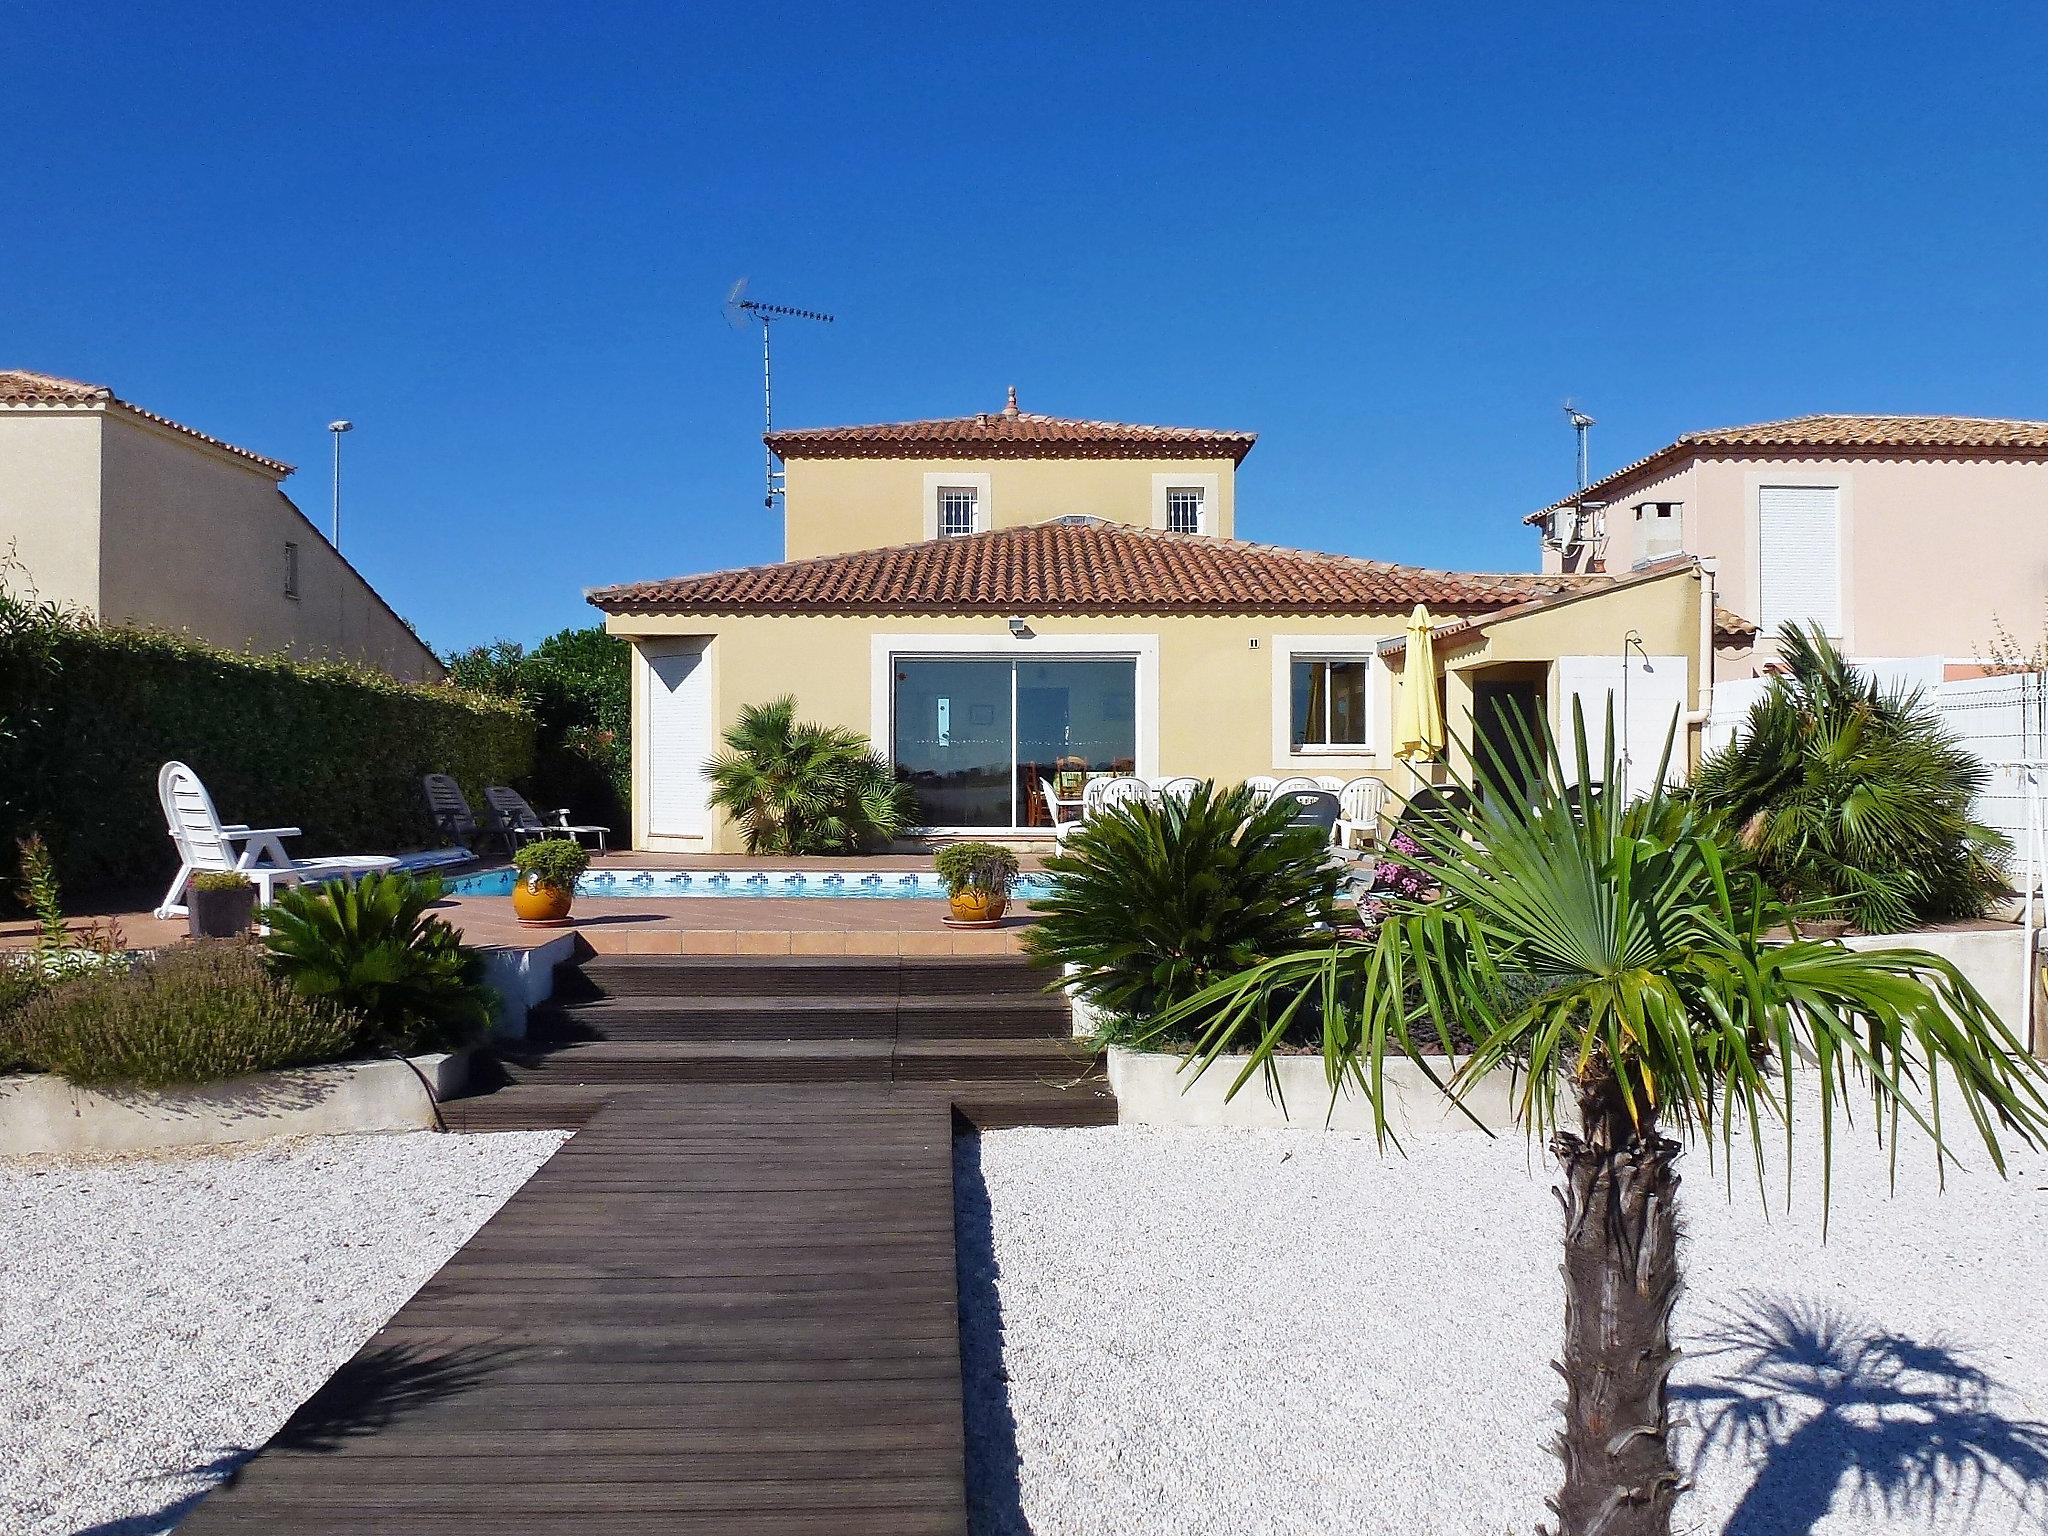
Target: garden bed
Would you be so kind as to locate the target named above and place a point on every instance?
(1190, 1332)
(44, 1113)
(165, 1312)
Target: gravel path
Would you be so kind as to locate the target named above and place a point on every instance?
(160, 1314)
(1284, 1332)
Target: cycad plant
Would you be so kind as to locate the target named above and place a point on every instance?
(372, 948)
(794, 786)
(1854, 798)
(1612, 958)
(1151, 903)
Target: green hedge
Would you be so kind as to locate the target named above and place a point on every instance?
(89, 714)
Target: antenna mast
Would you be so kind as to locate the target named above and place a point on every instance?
(739, 310)
(1582, 424)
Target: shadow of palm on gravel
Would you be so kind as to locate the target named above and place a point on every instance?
(1827, 1407)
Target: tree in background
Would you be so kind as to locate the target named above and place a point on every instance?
(1854, 796)
(578, 683)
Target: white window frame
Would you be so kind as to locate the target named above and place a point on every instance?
(1184, 493)
(937, 483)
(1140, 648)
(1287, 650)
(1208, 487)
(951, 500)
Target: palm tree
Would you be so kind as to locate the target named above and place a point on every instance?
(799, 787)
(1855, 796)
(1612, 959)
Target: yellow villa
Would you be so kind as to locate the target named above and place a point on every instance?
(999, 599)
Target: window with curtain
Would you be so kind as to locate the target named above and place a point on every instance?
(1331, 702)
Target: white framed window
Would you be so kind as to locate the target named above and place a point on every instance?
(1184, 509)
(1329, 703)
(957, 506)
(291, 569)
(1799, 556)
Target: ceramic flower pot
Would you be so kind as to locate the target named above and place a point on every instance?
(974, 906)
(221, 914)
(539, 904)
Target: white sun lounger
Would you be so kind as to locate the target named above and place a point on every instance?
(257, 853)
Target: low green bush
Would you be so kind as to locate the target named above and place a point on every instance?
(1151, 903)
(372, 950)
(20, 983)
(196, 1014)
(988, 867)
(794, 786)
(557, 862)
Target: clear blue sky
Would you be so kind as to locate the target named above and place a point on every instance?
(1389, 239)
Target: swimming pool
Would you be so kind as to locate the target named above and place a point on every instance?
(838, 884)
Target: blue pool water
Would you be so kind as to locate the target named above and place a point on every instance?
(865, 885)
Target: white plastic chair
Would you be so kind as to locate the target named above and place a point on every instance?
(1363, 799)
(1181, 788)
(1119, 792)
(1331, 782)
(1290, 785)
(257, 853)
(1262, 786)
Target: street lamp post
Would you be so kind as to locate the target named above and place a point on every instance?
(337, 428)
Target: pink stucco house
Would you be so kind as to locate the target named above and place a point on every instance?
(1906, 537)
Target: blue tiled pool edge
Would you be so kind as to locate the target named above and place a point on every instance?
(850, 884)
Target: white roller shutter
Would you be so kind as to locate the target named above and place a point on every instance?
(1655, 699)
(678, 742)
(1799, 548)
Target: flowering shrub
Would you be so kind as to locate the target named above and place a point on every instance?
(1397, 879)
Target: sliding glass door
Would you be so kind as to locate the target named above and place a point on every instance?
(979, 738)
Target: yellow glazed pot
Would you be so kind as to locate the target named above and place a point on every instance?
(537, 903)
(972, 906)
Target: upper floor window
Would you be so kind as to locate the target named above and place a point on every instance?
(1331, 702)
(956, 511)
(1799, 557)
(1184, 511)
(291, 569)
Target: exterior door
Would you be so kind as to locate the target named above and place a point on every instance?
(679, 740)
(1506, 725)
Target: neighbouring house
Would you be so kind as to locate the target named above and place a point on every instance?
(114, 510)
(1906, 538)
(997, 599)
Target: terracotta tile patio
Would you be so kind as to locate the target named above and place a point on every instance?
(656, 925)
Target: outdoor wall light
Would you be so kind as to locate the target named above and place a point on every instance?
(1020, 630)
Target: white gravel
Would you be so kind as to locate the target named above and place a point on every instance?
(1182, 1331)
(162, 1314)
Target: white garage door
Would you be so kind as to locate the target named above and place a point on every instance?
(1655, 697)
(678, 741)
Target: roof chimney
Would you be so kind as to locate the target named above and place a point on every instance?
(1010, 406)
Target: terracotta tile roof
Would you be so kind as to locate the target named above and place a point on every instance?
(1079, 566)
(1729, 626)
(1859, 434)
(1011, 433)
(20, 387)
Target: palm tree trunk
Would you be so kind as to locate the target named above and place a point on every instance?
(1621, 1280)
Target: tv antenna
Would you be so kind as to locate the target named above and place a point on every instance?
(739, 312)
(1582, 424)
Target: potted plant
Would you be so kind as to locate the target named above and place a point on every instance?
(548, 870)
(219, 904)
(978, 878)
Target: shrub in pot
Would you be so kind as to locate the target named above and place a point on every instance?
(219, 904)
(978, 879)
(548, 871)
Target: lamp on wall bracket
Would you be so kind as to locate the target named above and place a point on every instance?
(1019, 630)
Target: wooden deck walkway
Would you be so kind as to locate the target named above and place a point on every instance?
(717, 1309)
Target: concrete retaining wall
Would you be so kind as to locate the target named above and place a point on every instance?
(44, 1113)
(1991, 959)
(1151, 1089)
(525, 978)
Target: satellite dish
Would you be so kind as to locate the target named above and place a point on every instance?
(736, 306)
